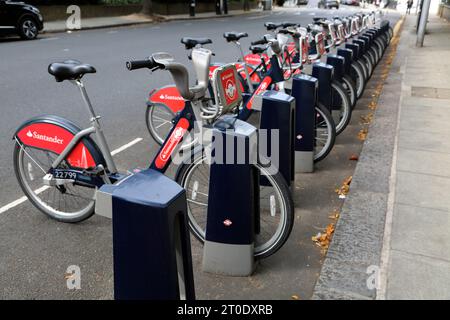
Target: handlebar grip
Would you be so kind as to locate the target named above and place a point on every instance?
(140, 64)
(258, 42)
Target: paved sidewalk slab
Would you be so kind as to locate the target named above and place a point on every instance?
(410, 231)
(417, 277)
(425, 162)
(95, 23)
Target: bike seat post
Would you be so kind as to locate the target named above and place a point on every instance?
(101, 140)
(244, 63)
(86, 99)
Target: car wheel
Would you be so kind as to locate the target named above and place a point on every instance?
(28, 29)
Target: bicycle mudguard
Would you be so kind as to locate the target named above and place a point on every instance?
(53, 133)
(169, 96)
(255, 78)
(255, 59)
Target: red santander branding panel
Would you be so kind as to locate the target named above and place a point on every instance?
(255, 59)
(321, 44)
(211, 70)
(51, 137)
(170, 96)
(170, 145)
(228, 82)
(262, 87)
(305, 49)
(254, 77)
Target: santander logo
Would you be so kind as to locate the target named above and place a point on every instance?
(230, 89)
(43, 137)
(174, 139)
(167, 97)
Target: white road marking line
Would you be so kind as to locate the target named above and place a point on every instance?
(49, 39)
(112, 31)
(257, 17)
(43, 188)
(126, 146)
(13, 204)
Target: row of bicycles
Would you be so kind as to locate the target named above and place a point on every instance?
(60, 166)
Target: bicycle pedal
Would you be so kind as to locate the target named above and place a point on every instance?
(97, 171)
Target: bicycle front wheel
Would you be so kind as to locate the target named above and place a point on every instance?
(275, 200)
(341, 107)
(159, 121)
(66, 203)
(325, 133)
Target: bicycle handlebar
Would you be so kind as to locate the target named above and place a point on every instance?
(260, 41)
(140, 64)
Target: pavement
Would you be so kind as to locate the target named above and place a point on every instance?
(137, 19)
(35, 251)
(392, 239)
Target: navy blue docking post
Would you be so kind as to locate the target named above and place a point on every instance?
(324, 73)
(347, 54)
(338, 63)
(151, 246)
(278, 121)
(233, 199)
(304, 90)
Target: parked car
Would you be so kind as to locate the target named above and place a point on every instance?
(20, 18)
(301, 2)
(327, 4)
(350, 2)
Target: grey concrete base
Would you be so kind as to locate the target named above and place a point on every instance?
(103, 202)
(304, 161)
(228, 259)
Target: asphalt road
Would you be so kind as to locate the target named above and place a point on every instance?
(36, 251)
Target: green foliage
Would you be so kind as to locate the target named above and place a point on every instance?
(121, 2)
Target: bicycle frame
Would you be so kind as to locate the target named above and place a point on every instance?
(94, 129)
(161, 161)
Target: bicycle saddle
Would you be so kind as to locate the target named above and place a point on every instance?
(316, 19)
(234, 36)
(272, 25)
(69, 70)
(292, 32)
(289, 24)
(190, 43)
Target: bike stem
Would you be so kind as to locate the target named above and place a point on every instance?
(247, 76)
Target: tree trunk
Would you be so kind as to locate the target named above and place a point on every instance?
(147, 7)
(246, 5)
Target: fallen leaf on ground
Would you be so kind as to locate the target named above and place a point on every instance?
(353, 157)
(323, 239)
(345, 187)
(68, 275)
(367, 119)
(372, 105)
(362, 134)
(295, 297)
(334, 215)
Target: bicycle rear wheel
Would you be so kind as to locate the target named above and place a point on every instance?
(276, 205)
